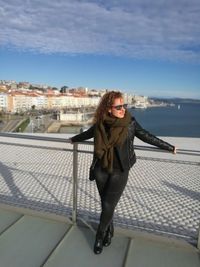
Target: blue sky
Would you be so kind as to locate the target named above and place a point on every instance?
(139, 46)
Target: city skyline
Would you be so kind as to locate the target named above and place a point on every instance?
(138, 47)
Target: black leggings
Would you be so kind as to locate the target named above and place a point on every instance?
(110, 187)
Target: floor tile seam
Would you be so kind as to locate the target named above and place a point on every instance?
(10, 227)
(56, 247)
(130, 240)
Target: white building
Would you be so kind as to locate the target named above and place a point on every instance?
(128, 98)
(3, 101)
(21, 102)
(40, 102)
(64, 101)
(141, 101)
(87, 101)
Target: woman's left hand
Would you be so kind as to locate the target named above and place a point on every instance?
(174, 151)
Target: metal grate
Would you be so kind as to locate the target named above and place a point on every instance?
(162, 194)
(36, 178)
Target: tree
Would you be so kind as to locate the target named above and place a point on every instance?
(64, 89)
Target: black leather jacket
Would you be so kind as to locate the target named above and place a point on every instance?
(124, 157)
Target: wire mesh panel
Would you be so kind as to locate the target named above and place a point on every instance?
(161, 196)
(88, 196)
(36, 177)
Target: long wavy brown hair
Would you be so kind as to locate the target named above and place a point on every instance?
(105, 104)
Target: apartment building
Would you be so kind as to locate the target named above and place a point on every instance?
(24, 100)
(18, 102)
(61, 101)
(3, 101)
(40, 101)
(87, 101)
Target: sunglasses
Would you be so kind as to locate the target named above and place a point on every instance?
(119, 107)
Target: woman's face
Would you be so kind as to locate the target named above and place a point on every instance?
(118, 108)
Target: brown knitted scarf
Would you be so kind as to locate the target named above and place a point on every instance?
(105, 141)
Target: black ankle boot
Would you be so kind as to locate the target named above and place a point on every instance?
(108, 235)
(98, 245)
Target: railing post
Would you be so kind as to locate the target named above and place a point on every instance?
(75, 174)
(198, 241)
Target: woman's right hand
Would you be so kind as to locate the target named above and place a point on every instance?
(174, 151)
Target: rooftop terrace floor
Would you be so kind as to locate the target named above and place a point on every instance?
(33, 241)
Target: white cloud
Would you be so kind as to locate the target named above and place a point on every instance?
(166, 30)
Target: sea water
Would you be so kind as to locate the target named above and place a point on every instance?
(181, 120)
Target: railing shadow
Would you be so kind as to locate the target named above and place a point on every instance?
(183, 191)
(6, 173)
(14, 196)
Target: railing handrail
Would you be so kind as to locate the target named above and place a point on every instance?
(65, 140)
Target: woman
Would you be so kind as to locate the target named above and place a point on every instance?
(114, 130)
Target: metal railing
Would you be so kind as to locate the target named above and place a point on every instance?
(140, 192)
